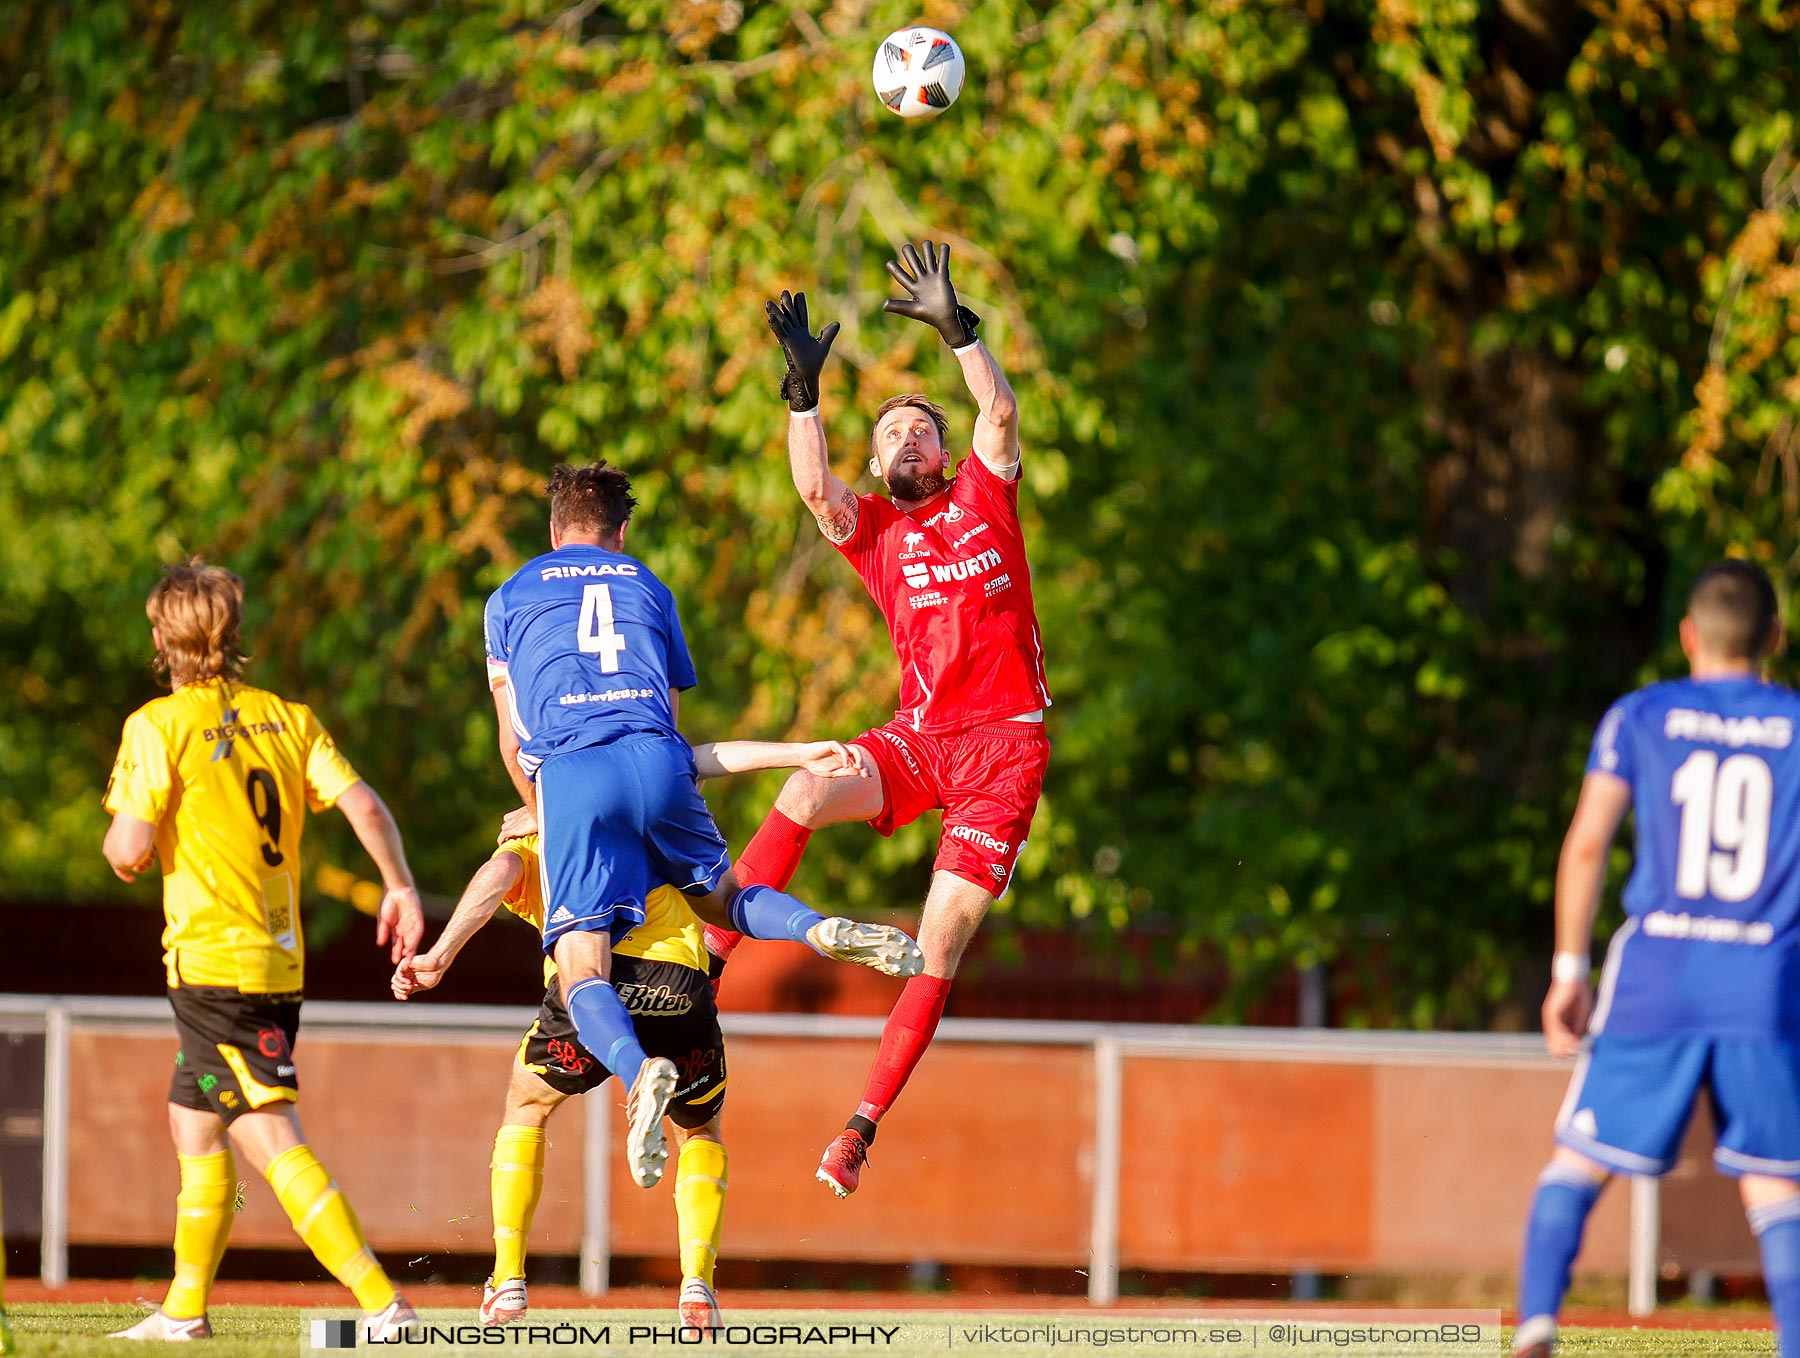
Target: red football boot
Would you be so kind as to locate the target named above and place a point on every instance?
(843, 1163)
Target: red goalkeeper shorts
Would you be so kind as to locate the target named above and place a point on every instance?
(986, 780)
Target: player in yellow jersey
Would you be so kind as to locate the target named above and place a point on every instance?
(214, 781)
(660, 972)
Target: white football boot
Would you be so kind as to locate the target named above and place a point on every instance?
(698, 1306)
(646, 1148)
(877, 946)
(505, 1304)
(166, 1329)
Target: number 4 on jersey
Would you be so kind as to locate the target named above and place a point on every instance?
(595, 633)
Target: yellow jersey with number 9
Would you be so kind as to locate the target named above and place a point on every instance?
(226, 774)
(671, 931)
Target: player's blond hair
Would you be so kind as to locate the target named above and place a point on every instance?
(197, 610)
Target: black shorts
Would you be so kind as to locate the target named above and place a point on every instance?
(237, 1050)
(671, 1007)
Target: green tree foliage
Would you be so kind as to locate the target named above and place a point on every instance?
(1385, 366)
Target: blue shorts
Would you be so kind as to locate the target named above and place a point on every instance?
(616, 821)
(1629, 1101)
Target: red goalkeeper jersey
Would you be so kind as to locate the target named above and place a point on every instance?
(952, 581)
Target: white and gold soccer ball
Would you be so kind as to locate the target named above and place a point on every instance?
(918, 72)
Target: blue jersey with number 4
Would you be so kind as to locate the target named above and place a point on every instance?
(1712, 942)
(587, 644)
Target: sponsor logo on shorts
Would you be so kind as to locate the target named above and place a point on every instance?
(229, 1098)
(695, 1067)
(900, 745)
(271, 1042)
(284, 1071)
(980, 838)
(1585, 1123)
(658, 999)
(566, 1056)
(562, 915)
(577, 572)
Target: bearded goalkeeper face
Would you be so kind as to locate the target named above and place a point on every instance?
(907, 449)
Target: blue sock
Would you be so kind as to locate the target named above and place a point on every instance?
(1559, 1214)
(604, 1027)
(764, 912)
(1777, 1228)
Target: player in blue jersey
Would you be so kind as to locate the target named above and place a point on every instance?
(1701, 986)
(586, 660)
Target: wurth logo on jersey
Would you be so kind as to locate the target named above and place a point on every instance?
(917, 577)
(965, 570)
(575, 572)
(980, 838)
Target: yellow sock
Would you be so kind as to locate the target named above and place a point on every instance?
(700, 1181)
(202, 1226)
(323, 1218)
(516, 1176)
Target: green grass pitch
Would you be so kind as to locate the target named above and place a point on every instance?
(76, 1331)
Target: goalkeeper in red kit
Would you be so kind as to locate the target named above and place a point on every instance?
(943, 556)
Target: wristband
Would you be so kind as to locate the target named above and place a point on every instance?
(812, 414)
(965, 349)
(1570, 966)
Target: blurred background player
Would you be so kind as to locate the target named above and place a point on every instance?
(586, 660)
(945, 561)
(660, 973)
(1701, 987)
(215, 780)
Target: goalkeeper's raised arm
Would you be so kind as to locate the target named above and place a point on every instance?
(831, 501)
(932, 299)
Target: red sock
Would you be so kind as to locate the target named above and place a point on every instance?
(771, 858)
(903, 1042)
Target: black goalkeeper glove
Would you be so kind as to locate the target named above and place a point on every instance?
(805, 353)
(930, 297)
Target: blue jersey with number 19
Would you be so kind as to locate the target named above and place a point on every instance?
(1712, 942)
(587, 644)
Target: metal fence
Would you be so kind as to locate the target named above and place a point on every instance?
(1109, 1046)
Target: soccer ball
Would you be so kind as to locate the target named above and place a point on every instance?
(918, 72)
